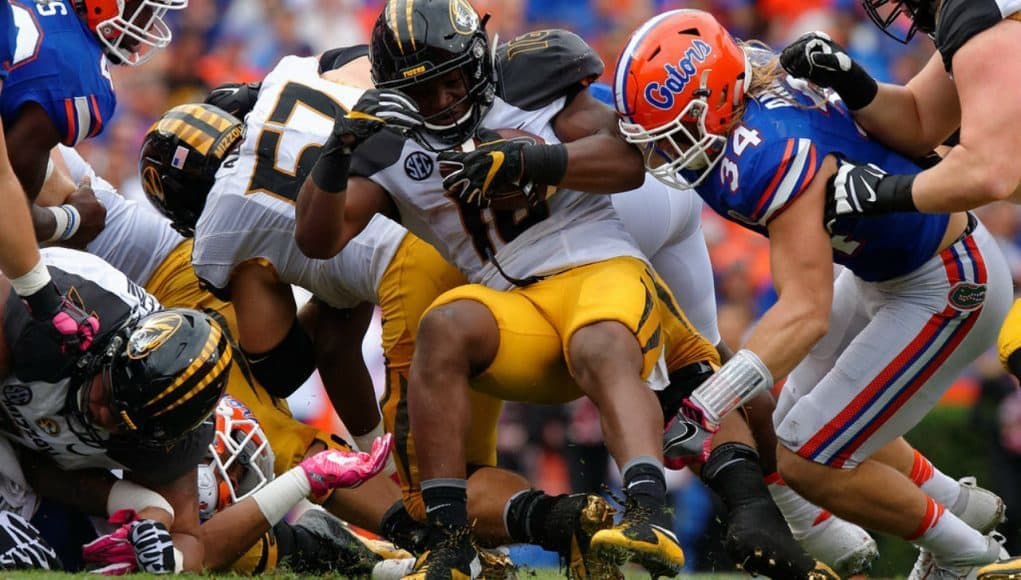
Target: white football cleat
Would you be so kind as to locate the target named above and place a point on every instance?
(845, 547)
(927, 567)
(978, 507)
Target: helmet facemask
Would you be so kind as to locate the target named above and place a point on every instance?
(241, 459)
(684, 144)
(134, 38)
(920, 13)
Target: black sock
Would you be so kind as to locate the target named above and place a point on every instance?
(446, 502)
(403, 530)
(645, 485)
(527, 515)
(733, 472)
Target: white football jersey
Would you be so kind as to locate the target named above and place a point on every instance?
(34, 412)
(134, 240)
(572, 229)
(249, 213)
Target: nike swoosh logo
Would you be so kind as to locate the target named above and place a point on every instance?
(688, 433)
(665, 532)
(430, 510)
(497, 157)
(871, 196)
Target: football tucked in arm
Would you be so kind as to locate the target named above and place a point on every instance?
(505, 196)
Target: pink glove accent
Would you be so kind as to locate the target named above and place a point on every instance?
(688, 437)
(77, 328)
(333, 468)
(113, 551)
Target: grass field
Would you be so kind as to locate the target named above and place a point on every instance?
(542, 574)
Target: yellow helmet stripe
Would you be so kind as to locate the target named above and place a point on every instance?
(195, 126)
(392, 21)
(207, 351)
(214, 373)
(409, 4)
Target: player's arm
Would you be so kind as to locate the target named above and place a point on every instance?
(801, 262)
(326, 219)
(278, 349)
(599, 160)
(911, 119)
(185, 533)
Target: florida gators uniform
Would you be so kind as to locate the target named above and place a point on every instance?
(8, 38)
(906, 318)
(143, 245)
(59, 65)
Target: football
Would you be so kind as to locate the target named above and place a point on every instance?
(507, 197)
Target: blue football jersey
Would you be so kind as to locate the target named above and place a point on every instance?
(8, 35)
(774, 152)
(60, 65)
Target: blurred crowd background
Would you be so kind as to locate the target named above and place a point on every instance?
(977, 428)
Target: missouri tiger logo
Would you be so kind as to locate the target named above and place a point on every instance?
(463, 17)
(150, 336)
(151, 183)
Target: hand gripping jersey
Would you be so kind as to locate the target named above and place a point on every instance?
(959, 20)
(135, 240)
(34, 412)
(774, 152)
(538, 72)
(58, 64)
(249, 214)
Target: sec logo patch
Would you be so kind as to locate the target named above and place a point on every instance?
(17, 395)
(418, 166)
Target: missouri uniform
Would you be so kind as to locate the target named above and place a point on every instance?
(143, 245)
(543, 272)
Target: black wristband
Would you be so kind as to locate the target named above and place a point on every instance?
(544, 164)
(894, 194)
(860, 91)
(331, 169)
(45, 302)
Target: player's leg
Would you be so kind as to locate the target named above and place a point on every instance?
(925, 328)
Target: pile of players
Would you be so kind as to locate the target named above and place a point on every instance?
(561, 259)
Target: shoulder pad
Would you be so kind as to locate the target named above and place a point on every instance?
(959, 21)
(337, 57)
(377, 153)
(539, 67)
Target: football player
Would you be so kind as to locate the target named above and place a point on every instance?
(968, 84)
(250, 537)
(918, 297)
(543, 271)
(144, 246)
(59, 89)
(134, 401)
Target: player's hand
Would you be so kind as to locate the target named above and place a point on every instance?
(688, 437)
(59, 330)
(334, 468)
(376, 109)
(864, 190)
(136, 546)
(817, 58)
(91, 211)
(495, 164)
(22, 547)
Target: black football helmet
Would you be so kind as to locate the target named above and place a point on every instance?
(921, 13)
(179, 159)
(417, 41)
(164, 373)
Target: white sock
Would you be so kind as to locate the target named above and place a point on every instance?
(801, 515)
(936, 484)
(948, 538)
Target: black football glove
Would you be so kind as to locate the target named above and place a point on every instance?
(816, 58)
(864, 190)
(57, 335)
(377, 108)
(495, 165)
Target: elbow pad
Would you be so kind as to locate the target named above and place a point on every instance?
(287, 365)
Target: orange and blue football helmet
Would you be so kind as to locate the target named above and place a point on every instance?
(676, 88)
